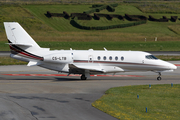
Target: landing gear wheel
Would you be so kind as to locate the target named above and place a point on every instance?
(159, 78)
(83, 77)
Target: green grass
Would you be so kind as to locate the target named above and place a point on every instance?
(168, 57)
(59, 24)
(111, 45)
(60, 34)
(62, 24)
(10, 61)
(102, 22)
(149, 30)
(114, 45)
(4, 46)
(159, 7)
(162, 102)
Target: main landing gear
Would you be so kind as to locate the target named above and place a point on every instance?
(83, 77)
(159, 77)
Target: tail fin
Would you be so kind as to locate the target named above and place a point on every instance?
(20, 42)
(18, 36)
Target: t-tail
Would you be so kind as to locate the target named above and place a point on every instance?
(22, 46)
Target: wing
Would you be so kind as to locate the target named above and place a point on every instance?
(79, 69)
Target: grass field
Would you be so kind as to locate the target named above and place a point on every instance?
(83, 1)
(58, 33)
(159, 7)
(114, 45)
(157, 29)
(10, 61)
(111, 45)
(162, 102)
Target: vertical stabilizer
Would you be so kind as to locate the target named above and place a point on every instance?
(17, 35)
(21, 43)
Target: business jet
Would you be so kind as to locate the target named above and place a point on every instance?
(83, 62)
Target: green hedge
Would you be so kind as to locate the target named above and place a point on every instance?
(110, 8)
(164, 19)
(75, 23)
(96, 5)
(96, 16)
(99, 7)
(81, 16)
(174, 18)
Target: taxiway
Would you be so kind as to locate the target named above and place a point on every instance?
(34, 93)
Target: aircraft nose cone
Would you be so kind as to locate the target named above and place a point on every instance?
(170, 66)
(173, 67)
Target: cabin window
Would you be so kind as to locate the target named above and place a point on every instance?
(104, 57)
(116, 58)
(122, 58)
(151, 57)
(98, 57)
(110, 58)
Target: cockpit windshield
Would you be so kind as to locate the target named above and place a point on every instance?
(151, 57)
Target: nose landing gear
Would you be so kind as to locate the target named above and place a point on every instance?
(159, 77)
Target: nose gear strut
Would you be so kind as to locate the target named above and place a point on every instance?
(159, 77)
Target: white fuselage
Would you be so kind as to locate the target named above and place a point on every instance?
(102, 61)
(85, 62)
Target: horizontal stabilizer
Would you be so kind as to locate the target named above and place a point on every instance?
(33, 63)
(20, 44)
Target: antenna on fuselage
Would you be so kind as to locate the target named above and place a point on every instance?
(105, 49)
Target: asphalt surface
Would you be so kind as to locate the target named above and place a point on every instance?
(62, 97)
(4, 53)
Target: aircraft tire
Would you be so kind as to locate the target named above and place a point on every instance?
(159, 78)
(83, 77)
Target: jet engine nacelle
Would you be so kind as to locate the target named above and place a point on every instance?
(59, 58)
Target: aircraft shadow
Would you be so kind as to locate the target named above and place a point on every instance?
(67, 79)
